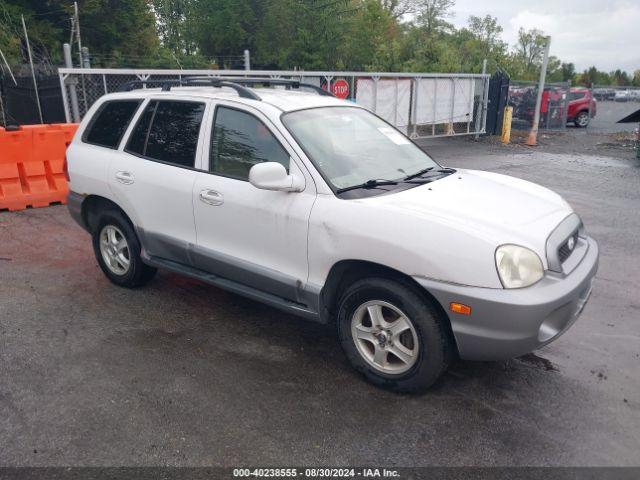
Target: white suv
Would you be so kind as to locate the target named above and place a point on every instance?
(318, 207)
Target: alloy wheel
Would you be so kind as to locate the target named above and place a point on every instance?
(385, 337)
(115, 250)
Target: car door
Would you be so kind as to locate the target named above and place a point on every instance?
(152, 177)
(251, 236)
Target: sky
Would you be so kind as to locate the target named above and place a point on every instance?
(604, 33)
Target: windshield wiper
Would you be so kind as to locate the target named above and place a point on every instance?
(367, 184)
(418, 175)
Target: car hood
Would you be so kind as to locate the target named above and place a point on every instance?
(496, 207)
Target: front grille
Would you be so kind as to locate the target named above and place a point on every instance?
(564, 251)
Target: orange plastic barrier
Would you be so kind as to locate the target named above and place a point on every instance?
(32, 165)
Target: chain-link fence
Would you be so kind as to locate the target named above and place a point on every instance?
(419, 104)
(554, 109)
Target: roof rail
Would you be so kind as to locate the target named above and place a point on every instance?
(239, 84)
(288, 83)
(213, 82)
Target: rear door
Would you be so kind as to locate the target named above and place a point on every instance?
(89, 155)
(152, 177)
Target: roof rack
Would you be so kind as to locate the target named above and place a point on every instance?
(239, 84)
(287, 83)
(213, 82)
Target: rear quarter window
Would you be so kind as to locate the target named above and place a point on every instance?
(109, 123)
(168, 132)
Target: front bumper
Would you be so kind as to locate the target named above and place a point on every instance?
(506, 323)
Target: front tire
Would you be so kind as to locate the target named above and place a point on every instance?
(117, 250)
(582, 120)
(393, 335)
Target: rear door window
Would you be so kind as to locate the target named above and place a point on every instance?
(110, 122)
(168, 132)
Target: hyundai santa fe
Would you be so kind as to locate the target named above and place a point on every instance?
(318, 207)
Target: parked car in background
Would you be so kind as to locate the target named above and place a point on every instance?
(581, 107)
(604, 93)
(580, 104)
(622, 96)
(634, 95)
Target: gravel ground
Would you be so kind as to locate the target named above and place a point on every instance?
(182, 373)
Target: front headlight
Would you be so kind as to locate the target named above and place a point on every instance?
(518, 266)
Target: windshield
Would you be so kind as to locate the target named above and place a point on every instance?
(351, 146)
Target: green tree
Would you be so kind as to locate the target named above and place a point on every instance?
(568, 72)
(592, 76)
(432, 15)
(398, 8)
(173, 25)
(530, 48)
(221, 28)
(620, 77)
(45, 21)
(119, 27)
(370, 39)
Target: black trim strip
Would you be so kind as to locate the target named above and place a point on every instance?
(235, 287)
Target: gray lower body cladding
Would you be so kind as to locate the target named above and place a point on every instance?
(506, 323)
(74, 205)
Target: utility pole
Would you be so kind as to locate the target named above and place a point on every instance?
(33, 72)
(77, 25)
(532, 140)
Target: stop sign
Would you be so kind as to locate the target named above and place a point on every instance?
(340, 88)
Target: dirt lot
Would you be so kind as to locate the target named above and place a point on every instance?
(182, 373)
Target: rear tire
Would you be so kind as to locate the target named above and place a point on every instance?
(582, 120)
(117, 249)
(393, 335)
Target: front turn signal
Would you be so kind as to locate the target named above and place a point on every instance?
(460, 308)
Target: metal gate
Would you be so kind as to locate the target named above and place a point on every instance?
(422, 105)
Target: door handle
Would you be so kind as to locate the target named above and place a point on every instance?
(124, 177)
(211, 197)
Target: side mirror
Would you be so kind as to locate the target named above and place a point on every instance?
(273, 176)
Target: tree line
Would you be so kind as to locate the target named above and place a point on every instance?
(369, 35)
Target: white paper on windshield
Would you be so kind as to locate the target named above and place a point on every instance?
(393, 135)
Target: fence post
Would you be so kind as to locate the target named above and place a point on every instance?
(247, 60)
(485, 104)
(375, 93)
(481, 104)
(86, 60)
(435, 107)
(414, 107)
(73, 95)
(450, 129)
